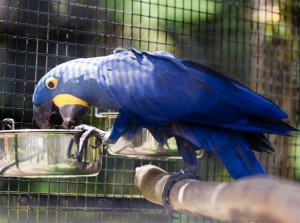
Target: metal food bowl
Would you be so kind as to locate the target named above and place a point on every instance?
(46, 153)
(142, 145)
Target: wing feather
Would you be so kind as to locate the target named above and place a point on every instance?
(156, 88)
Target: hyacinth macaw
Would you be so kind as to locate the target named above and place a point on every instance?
(170, 97)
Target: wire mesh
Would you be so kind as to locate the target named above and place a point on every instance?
(255, 41)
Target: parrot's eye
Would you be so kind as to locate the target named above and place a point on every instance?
(51, 83)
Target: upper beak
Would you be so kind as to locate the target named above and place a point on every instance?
(42, 114)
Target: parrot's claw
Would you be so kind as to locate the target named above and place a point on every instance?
(83, 137)
(186, 173)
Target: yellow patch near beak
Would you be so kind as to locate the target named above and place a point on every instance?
(67, 99)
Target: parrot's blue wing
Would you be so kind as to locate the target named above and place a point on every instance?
(237, 94)
(182, 98)
(156, 89)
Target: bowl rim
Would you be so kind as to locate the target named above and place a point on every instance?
(40, 131)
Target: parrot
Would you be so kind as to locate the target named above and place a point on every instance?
(171, 97)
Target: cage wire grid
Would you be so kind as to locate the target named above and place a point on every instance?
(255, 41)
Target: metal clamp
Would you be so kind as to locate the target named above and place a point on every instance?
(108, 114)
(8, 122)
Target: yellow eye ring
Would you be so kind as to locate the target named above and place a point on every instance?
(51, 83)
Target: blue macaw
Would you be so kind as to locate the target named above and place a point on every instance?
(170, 97)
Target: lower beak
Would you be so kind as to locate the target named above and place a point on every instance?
(72, 114)
(42, 114)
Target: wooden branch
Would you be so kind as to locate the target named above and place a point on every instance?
(254, 198)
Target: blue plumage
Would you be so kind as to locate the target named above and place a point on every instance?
(171, 97)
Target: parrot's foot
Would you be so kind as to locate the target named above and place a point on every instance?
(189, 172)
(83, 137)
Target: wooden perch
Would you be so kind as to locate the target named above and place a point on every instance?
(254, 198)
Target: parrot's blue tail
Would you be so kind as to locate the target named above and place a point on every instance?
(262, 125)
(235, 153)
(233, 148)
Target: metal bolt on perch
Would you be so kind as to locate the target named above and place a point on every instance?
(256, 198)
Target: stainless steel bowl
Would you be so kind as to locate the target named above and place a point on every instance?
(46, 153)
(142, 145)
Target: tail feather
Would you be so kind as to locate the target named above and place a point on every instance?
(258, 142)
(237, 157)
(262, 125)
(231, 147)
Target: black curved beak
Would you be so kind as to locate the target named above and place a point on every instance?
(42, 114)
(72, 114)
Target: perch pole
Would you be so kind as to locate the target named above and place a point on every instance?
(253, 198)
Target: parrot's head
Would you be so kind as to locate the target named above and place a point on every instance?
(67, 87)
